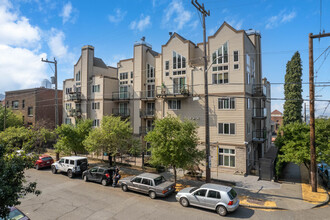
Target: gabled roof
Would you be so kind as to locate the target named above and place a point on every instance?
(184, 40)
(227, 25)
(152, 52)
(99, 63)
(276, 112)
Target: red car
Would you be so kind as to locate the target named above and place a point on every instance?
(43, 161)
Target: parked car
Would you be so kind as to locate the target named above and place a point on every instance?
(71, 165)
(321, 167)
(326, 177)
(152, 184)
(44, 161)
(222, 199)
(98, 174)
(16, 214)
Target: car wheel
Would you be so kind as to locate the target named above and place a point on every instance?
(124, 187)
(85, 178)
(104, 182)
(37, 167)
(152, 194)
(184, 202)
(221, 210)
(70, 174)
(54, 171)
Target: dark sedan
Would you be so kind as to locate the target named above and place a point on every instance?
(101, 175)
(152, 184)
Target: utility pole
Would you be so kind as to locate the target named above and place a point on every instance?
(56, 99)
(5, 116)
(305, 117)
(311, 110)
(205, 13)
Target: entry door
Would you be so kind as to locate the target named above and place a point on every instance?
(179, 85)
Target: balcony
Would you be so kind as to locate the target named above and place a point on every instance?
(144, 130)
(259, 113)
(74, 113)
(176, 91)
(259, 136)
(259, 90)
(147, 113)
(75, 96)
(122, 112)
(120, 96)
(148, 95)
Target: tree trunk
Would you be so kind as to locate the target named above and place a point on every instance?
(174, 168)
(114, 158)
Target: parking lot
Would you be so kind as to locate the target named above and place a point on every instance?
(65, 198)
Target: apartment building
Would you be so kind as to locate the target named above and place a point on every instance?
(154, 85)
(89, 93)
(36, 106)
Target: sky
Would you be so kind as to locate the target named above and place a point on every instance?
(35, 29)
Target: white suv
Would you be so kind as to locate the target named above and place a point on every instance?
(71, 165)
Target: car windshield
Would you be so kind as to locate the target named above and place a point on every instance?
(159, 180)
(15, 214)
(46, 158)
(193, 189)
(79, 162)
(232, 194)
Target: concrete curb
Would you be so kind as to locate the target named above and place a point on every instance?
(263, 207)
(324, 202)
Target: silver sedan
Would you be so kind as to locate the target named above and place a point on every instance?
(223, 199)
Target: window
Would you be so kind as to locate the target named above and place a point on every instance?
(96, 88)
(220, 78)
(248, 69)
(123, 76)
(30, 111)
(236, 66)
(167, 65)
(68, 90)
(68, 121)
(131, 75)
(146, 182)
(150, 72)
(213, 194)
(220, 55)
(226, 103)
(174, 104)
(94, 170)
(72, 162)
(236, 56)
(226, 128)
(78, 76)
(179, 61)
(137, 180)
(227, 157)
(23, 103)
(14, 104)
(167, 73)
(179, 85)
(68, 106)
(248, 103)
(101, 170)
(96, 123)
(201, 192)
(67, 161)
(95, 105)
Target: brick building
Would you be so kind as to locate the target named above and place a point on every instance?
(37, 106)
(277, 119)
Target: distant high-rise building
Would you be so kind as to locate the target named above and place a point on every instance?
(45, 83)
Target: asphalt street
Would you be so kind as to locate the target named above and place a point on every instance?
(65, 198)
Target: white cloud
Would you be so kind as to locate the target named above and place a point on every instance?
(15, 30)
(281, 18)
(175, 15)
(20, 68)
(118, 16)
(116, 58)
(66, 12)
(141, 24)
(237, 24)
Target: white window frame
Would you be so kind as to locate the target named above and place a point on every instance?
(229, 127)
(95, 105)
(221, 103)
(228, 154)
(68, 121)
(175, 106)
(217, 77)
(96, 122)
(68, 106)
(78, 76)
(178, 59)
(96, 88)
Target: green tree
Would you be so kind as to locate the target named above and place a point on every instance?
(13, 184)
(293, 90)
(12, 119)
(113, 136)
(294, 144)
(71, 137)
(14, 138)
(174, 143)
(38, 138)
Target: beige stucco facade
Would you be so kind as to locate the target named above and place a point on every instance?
(154, 85)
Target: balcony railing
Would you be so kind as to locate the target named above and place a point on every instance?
(259, 135)
(259, 113)
(74, 112)
(147, 113)
(122, 112)
(259, 90)
(120, 96)
(149, 94)
(176, 91)
(144, 130)
(75, 96)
